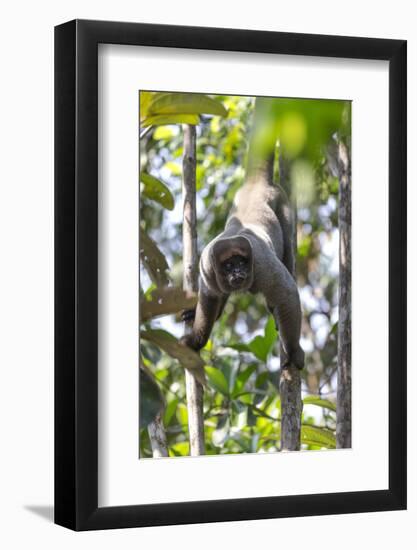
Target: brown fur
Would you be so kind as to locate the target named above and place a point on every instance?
(259, 227)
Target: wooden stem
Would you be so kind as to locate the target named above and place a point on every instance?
(156, 431)
(290, 380)
(195, 391)
(158, 438)
(291, 408)
(344, 346)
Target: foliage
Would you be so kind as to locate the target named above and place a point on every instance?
(239, 363)
(173, 108)
(157, 190)
(151, 399)
(168, 343)
(165, 300)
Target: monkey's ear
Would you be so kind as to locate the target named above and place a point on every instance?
(224, 249)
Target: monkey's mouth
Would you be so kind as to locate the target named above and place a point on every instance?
(237, 282)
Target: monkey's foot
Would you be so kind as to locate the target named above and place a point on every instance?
(188, 315)
(297, 359)
(190, 341)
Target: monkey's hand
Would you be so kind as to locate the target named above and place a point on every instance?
(188, 315)
(205, 314)
(191, 341)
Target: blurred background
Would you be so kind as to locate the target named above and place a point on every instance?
(241, 403)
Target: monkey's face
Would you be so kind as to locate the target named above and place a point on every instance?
(236, 272)
(231, 258)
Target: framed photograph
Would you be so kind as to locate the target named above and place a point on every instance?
(230, 275)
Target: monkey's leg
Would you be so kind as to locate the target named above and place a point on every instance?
(291, 351)
(284, 302)
(206, 313)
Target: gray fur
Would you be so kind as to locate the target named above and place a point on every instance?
(260, 225)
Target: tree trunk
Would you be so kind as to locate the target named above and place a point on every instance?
(344, 346)
(290, 379)
(158, 438)
(195, 391)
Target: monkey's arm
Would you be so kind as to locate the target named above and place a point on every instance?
(188, 315)
(208, 310)
(283, 300)
(223, 300)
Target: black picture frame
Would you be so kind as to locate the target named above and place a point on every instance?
(76, 271)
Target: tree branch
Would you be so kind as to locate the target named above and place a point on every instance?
(158, 438)
(195, 392)
(344, 346)
(290, 380)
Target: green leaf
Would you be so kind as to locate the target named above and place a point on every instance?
(293, 133)
(166, 301)
(271, 333)
(261, 384)
(304, 246)
(183, 118)
(180, 449)
(170, 411)
(304, 127)
(182, 414)
(239, 347)
(147, 295)
(242, 378)
(150, 353)
(145, 99)
(180, 103)
(220, 434)
(252, 418)
(312, 435)
(153, 260)
(260, 346)
(335, 328)
(315, 400)
(156, 190)
(151, 401)
(246, 398)
(238, 406)
(188, 358)
(163, 132)
(218, 380)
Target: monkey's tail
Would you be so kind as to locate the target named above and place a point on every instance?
(260, 170)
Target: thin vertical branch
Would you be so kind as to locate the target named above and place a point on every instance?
(291, 408)
(290, 379)
(158, 438)
(156, 430)
(344, 346)
(195, 392)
